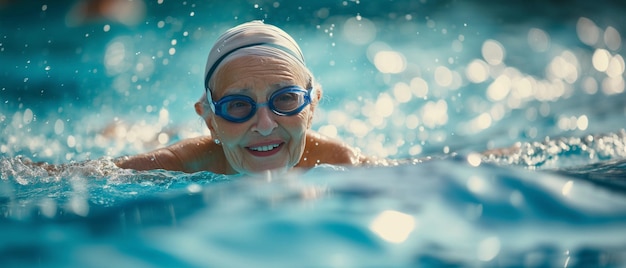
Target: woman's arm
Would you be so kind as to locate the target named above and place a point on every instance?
(162, 158)
(190, 155)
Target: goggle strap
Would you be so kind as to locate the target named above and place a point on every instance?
(220, 59)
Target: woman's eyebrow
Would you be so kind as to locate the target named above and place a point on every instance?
(283, 84)
(236, 91)
(248, 90)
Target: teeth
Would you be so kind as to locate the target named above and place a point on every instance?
(264, 148)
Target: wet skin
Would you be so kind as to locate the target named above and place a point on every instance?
(265, 142)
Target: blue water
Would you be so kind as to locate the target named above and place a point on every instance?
(427, 83)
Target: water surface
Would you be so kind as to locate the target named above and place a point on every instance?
(428, 83)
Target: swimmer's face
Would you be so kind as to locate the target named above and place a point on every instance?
(267, 141)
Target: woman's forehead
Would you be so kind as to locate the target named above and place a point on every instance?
(256, 72)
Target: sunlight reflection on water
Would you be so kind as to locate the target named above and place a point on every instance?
(399, 83)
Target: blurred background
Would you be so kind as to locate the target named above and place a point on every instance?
(103, 78)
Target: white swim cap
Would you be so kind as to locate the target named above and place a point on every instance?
(254, 33)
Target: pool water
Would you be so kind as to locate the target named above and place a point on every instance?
(430, 84)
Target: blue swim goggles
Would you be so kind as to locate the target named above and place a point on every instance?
(286, 101)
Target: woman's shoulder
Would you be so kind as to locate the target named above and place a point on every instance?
(321, 149)
(200, 153)
(188, 155)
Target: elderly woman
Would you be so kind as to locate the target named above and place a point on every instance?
(259, 104)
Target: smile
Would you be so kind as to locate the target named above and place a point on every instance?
(265, 150)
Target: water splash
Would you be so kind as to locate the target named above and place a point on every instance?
(563, 152)
(28, 189)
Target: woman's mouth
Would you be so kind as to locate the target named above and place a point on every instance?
(265, 150)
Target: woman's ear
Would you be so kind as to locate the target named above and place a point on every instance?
(200, 109)
(203, 111)
(317, 95)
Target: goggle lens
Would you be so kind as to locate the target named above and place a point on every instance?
(285, 102)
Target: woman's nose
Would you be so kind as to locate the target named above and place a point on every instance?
(265, 123)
